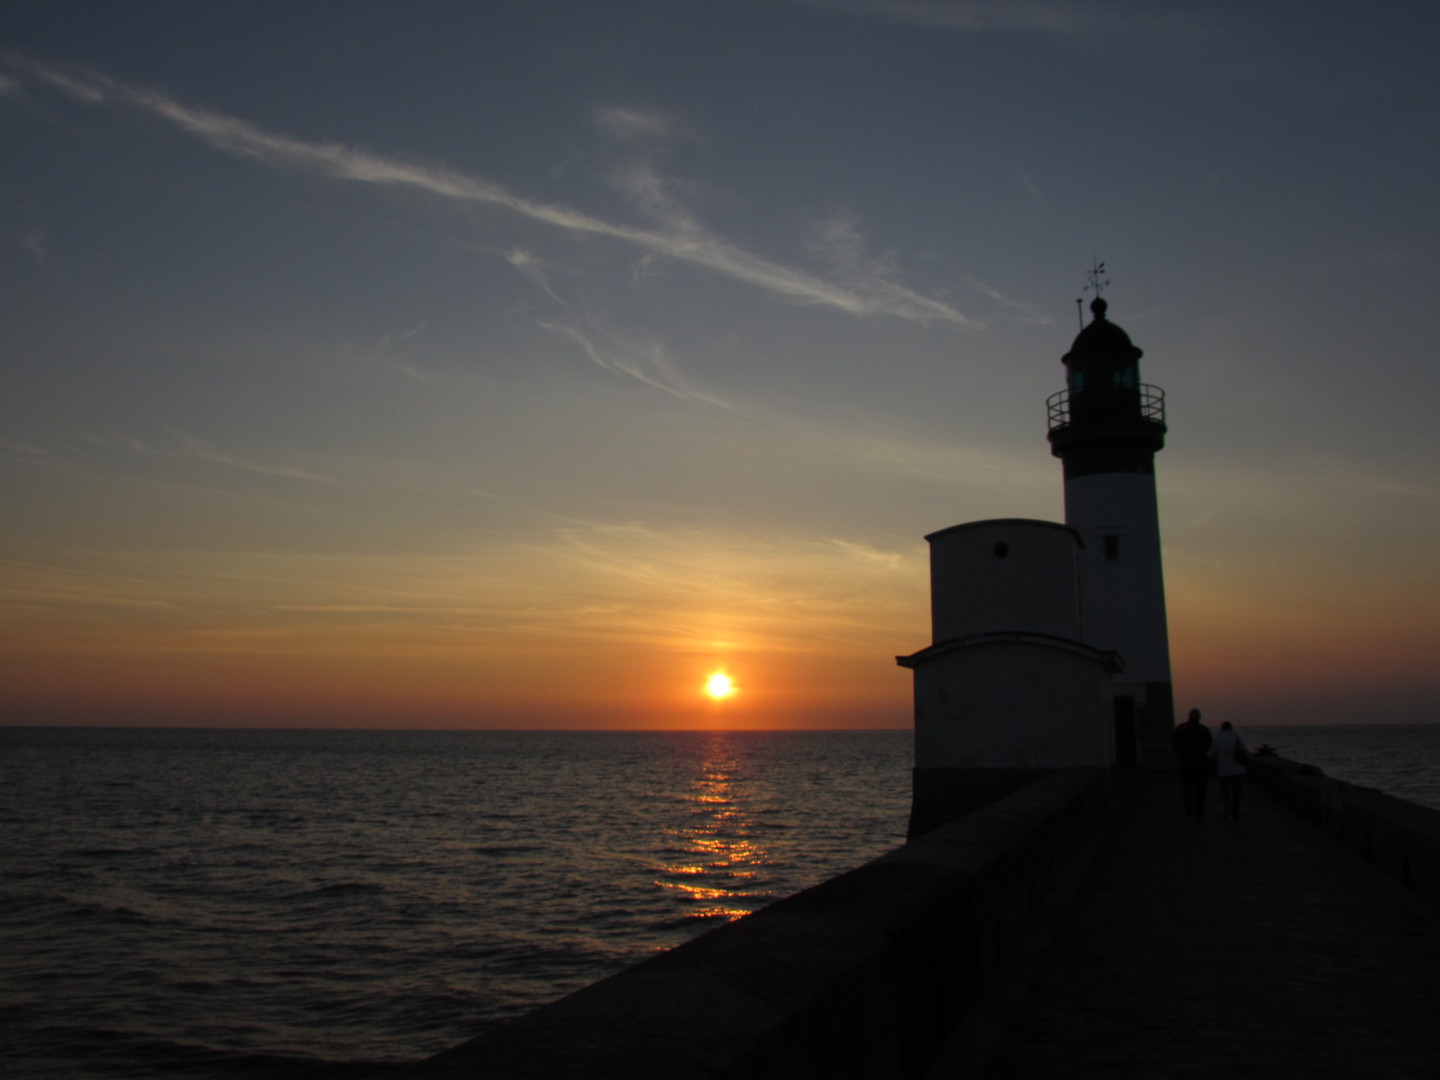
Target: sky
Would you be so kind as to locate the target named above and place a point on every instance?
(523, 364)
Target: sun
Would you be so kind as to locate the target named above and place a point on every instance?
(719, 686)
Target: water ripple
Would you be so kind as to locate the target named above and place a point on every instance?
(202, 904)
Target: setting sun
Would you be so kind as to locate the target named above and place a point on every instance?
(719, 686)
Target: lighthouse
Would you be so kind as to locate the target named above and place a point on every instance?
(1106, 427)
(1049, 646)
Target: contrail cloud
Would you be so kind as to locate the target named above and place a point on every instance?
(334, 160)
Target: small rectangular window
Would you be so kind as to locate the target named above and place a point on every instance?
(1112, 548)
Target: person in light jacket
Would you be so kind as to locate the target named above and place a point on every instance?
(1230, 756)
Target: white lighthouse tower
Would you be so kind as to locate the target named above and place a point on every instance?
(1049, 646)
(1106, 427)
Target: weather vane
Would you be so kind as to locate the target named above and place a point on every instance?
(1095, 275)
(1097, 281)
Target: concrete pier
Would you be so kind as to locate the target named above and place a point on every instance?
(1262, 947)
(1074, 928)
(863, 975)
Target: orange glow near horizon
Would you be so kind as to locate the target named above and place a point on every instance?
(606, 627)
(633, 642)
(602, 688)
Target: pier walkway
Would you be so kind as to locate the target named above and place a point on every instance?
(1261, 947)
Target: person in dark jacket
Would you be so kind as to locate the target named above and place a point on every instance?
(1191, 743)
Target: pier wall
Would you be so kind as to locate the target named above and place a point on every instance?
(862, 975)
(1397, 836)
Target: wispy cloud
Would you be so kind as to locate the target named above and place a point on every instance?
(1027, 311)
(798, 593)
(25, 450)
(188, 446)
(336, 161)
(404, 335)
(646, 361)
(654, 194)
(586, 585)
(535, 271)
(410, 371)
(987, 475)
(388, 344)
(838, 242)
(636, 125)
(42, 590)
(1031, 187)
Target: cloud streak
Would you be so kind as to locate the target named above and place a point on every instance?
(204, 451)
(647, 362)
(837, 240)
(585, 585)
(635, 125)
(336, 161)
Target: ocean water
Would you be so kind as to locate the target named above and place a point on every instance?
(1399, 759)
(206, 904)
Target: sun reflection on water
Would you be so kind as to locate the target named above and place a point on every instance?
(720, 863)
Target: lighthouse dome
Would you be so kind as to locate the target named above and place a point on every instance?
(1102, 338)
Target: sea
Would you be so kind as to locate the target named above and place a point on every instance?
(222, 903)
(205, 904)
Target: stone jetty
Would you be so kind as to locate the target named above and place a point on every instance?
(1260, 947)
(1080, 927)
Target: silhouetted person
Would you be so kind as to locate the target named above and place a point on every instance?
(1191, 743)
(1230, 756)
